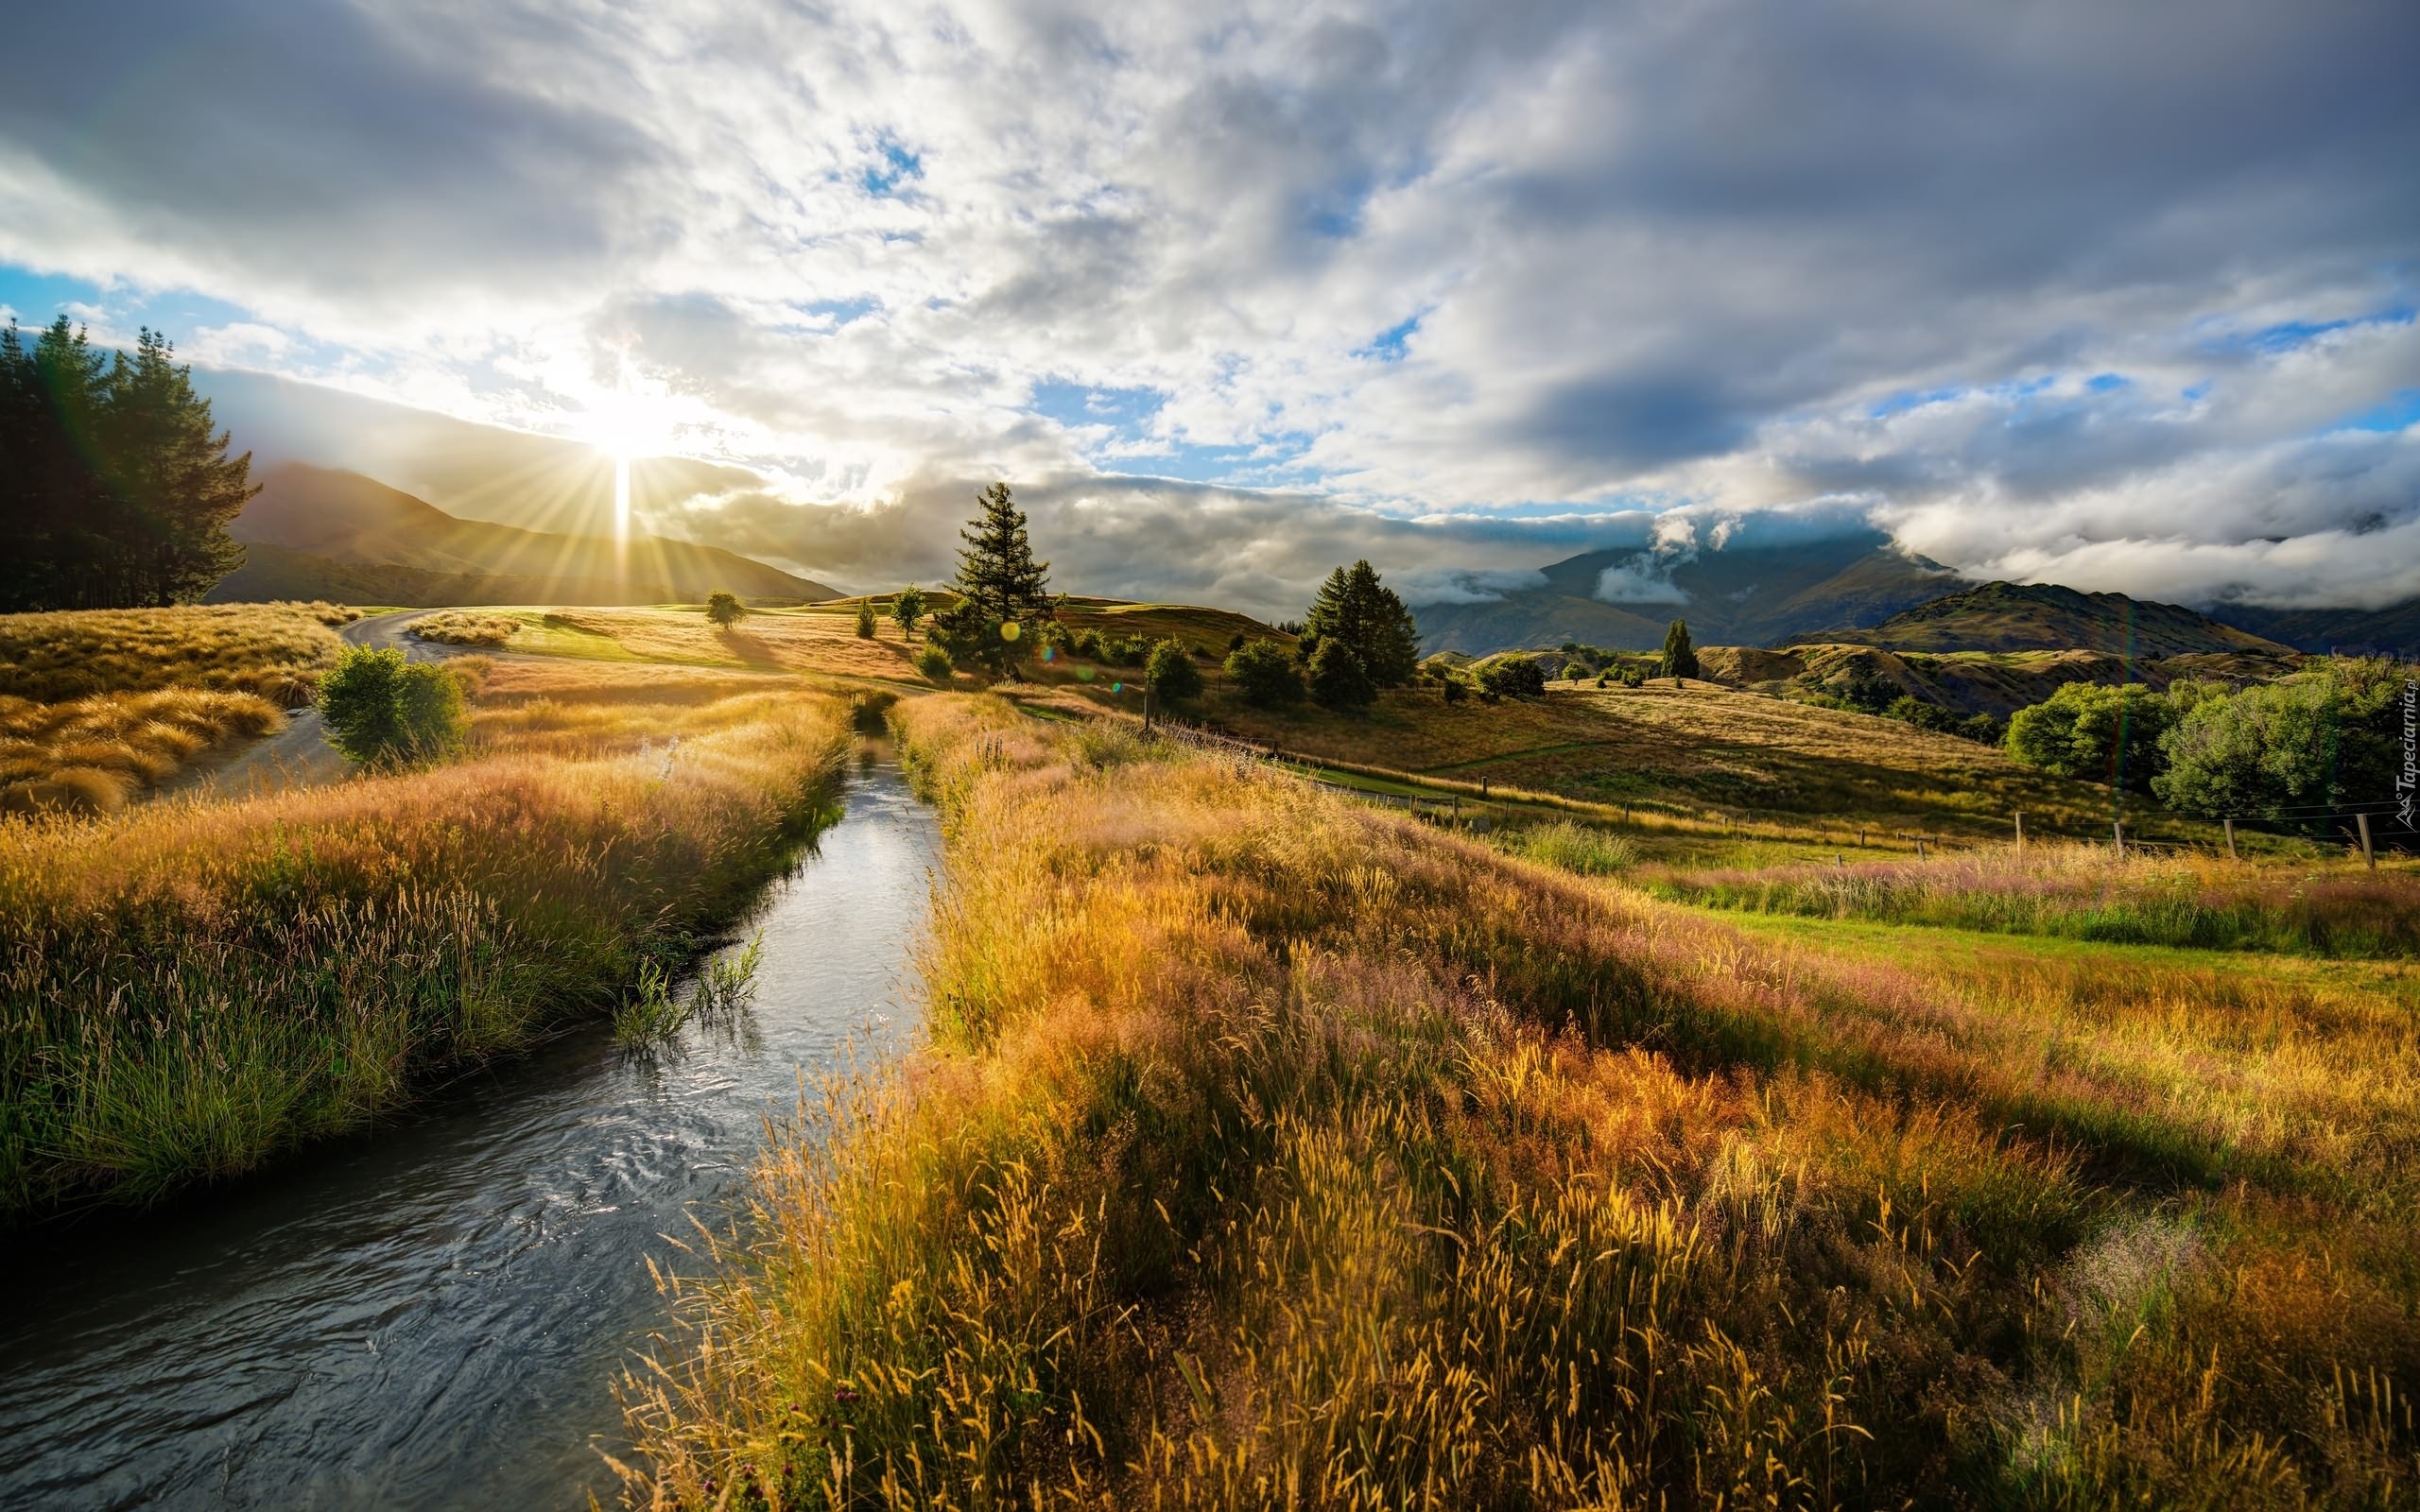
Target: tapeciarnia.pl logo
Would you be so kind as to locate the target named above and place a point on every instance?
(2407, 781)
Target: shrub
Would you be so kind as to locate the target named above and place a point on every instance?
(1085, 644)
(724, 608)
(1265, 674)
(865, 619)
(382, 711)
(1338, 680)
(1170, 673)
(934, 663)
(1513, 676)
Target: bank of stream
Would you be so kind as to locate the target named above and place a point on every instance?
(431, 1315)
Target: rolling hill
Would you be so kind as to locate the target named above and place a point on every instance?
(2047, 617)
(316, 533)
(1743, 594)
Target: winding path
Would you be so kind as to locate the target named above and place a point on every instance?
(300, 755)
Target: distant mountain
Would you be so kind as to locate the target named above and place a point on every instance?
(1745, 595)
(316, 533)
(2047, 617)
(2394, 630)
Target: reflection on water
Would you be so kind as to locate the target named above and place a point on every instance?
(431, 1315)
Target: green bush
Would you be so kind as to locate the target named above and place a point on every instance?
(1170, 672)
(384, 711)
(1513, 676)
(934, 662)
(1338, 681)
(1265, 674)
(2102, 734)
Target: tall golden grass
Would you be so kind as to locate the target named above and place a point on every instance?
(271, 649)
(93, 754)
(1270, 1150)
(187, 988)
(463, 626)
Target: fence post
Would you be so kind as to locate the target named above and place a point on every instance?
(2118, 837)
(2020, 829)
(2367, 855)
(1860, 837)
(2230, 824)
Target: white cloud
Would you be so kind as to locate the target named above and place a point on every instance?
(1767, 268)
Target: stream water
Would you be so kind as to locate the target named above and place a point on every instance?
(432, 1314)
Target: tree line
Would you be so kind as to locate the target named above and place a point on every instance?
(116, 488)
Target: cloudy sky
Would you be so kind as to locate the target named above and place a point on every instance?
(2115, 294)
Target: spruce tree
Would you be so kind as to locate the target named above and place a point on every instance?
(999, 584)
(1680, 660)
(1357, 612)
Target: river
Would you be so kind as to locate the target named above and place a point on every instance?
(432, 1314)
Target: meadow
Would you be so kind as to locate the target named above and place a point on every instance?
(94, 754)
(191, 986)
(271, 649)
(1271, 1148)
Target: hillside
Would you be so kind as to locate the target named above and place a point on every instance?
(1743, 594)
(1989, 683)
(316, 533)
(2047, 617)
(2394, 630)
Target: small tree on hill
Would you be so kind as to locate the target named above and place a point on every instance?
(724, 608)
(1171, 674)
(1002, 591)
(1265, 674)
(1338, 681)
(908, 607)
(865, 618)
(1356, 609)
(1679, 658)
(1513, 676)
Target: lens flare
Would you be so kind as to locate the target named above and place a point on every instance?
(1010, 630)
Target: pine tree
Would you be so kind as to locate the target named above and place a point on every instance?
(1361, 613)
(865, 618)
(1680, 660)
(999, 584)
(116, 491)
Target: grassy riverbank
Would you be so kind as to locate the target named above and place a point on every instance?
(191, 986)
(1272, 1149)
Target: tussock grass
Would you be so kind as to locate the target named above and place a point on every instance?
(1274, 1150)
(185, 989)
(2086, 892)
(271, 649)
(457, 626)
(93, 754)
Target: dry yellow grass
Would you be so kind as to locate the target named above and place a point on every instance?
(95, 753)
(462, 626)
(768, 640)
(272, 649)
(1272, 1150)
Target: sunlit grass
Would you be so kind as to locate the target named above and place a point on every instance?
(1271, 1149)
(2089, 892)
(189, 987)
(93, 754)
(271, 649)
(461, 627)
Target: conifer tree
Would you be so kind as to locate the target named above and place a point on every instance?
(1356, 611)
(1002, 591)
(1680, 658)
(116, 490)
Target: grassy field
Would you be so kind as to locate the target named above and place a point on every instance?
(93, 754)
(191, 986)
(820, 640)
(1273, 1149)
(271, 649)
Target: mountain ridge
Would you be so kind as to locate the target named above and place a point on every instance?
(2005, 616)
(317, 532)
